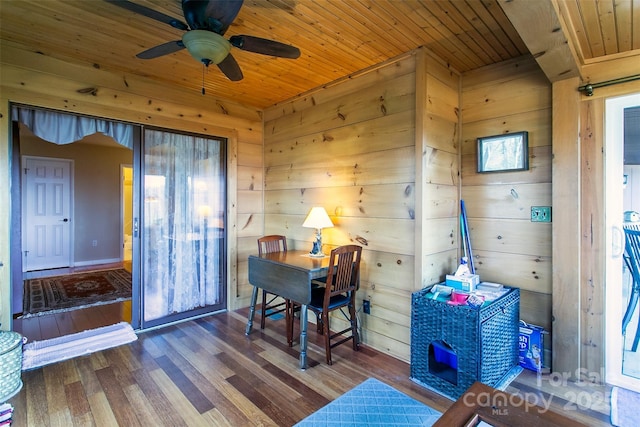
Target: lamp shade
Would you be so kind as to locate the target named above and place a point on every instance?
(317, 218)
(206, 46)
(204, 211)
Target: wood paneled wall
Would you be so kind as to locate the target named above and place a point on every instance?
(565, 258)
(38, 79)
(567, 274)
(508, 248)
(437, 170)
(379, 152)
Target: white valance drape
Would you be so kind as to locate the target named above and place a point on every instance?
(62, 128)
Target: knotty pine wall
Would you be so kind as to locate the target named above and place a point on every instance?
(379, 151)
(41, 80)
(508, 248)
(564, 259)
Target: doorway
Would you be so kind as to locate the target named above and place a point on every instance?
(622, 363)
(74, 189)
(174, 185)
(91, 205)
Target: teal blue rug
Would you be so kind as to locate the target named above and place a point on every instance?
(372, 403)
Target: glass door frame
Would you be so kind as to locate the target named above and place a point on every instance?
(614, 247)
(138, 173)
(138, 299)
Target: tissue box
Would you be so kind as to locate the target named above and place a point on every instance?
(465, 282)
(531, 346)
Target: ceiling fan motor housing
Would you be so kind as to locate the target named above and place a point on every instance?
(207, 22)
(206, 46)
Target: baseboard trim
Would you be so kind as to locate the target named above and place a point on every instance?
(96, 262)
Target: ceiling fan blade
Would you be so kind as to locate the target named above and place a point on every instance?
(229, 66)
(211, 15)
(265, 46)
(145, 11)
(160, 50)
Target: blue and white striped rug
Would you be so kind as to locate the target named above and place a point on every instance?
(40, 353)
(372, 403)
(624, 407)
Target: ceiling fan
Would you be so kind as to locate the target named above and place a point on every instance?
(207, 21)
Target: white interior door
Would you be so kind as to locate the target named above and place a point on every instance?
(46, 203)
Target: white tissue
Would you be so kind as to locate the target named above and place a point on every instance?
(462, 270)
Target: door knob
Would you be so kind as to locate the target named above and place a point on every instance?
(65, 220)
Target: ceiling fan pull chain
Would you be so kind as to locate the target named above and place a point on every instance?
(203, 67)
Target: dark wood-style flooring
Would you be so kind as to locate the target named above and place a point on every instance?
(207, 372)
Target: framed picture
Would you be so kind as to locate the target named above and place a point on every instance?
(503, 153)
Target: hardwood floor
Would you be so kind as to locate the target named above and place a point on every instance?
(54, 325)
(207, 372)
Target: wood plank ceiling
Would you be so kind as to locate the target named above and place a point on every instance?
(337, 38)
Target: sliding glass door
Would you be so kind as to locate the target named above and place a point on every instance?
(622, 360)
(183, 226)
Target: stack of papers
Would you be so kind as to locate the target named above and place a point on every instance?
(6, 412)
(490, 291)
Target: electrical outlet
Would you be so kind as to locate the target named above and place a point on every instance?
(540, 213)
(366, 306)
(94, 243)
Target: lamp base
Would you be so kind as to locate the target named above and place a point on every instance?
(317, 255)
(316, 251)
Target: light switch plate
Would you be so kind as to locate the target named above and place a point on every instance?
(366, 306)
(540, 213)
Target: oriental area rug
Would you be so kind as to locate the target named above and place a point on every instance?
(49, 295)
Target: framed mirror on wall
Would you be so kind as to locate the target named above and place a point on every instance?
(503, 153)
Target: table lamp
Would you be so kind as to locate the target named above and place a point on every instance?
(317, 218)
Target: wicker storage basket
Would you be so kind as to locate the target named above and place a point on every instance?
(10, 364)
(471, 344)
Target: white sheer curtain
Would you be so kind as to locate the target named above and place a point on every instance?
(184, 223)
(62, 128)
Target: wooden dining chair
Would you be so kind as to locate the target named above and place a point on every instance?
(271, 303)
(339, 293)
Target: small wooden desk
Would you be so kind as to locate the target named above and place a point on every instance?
(499, 409)
(288, 274)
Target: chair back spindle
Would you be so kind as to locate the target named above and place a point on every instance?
(272, 243)
(344, 268)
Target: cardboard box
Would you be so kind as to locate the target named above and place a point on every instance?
(465, 282)
(531, 346)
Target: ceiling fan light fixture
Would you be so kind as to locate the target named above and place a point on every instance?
(206, 46)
